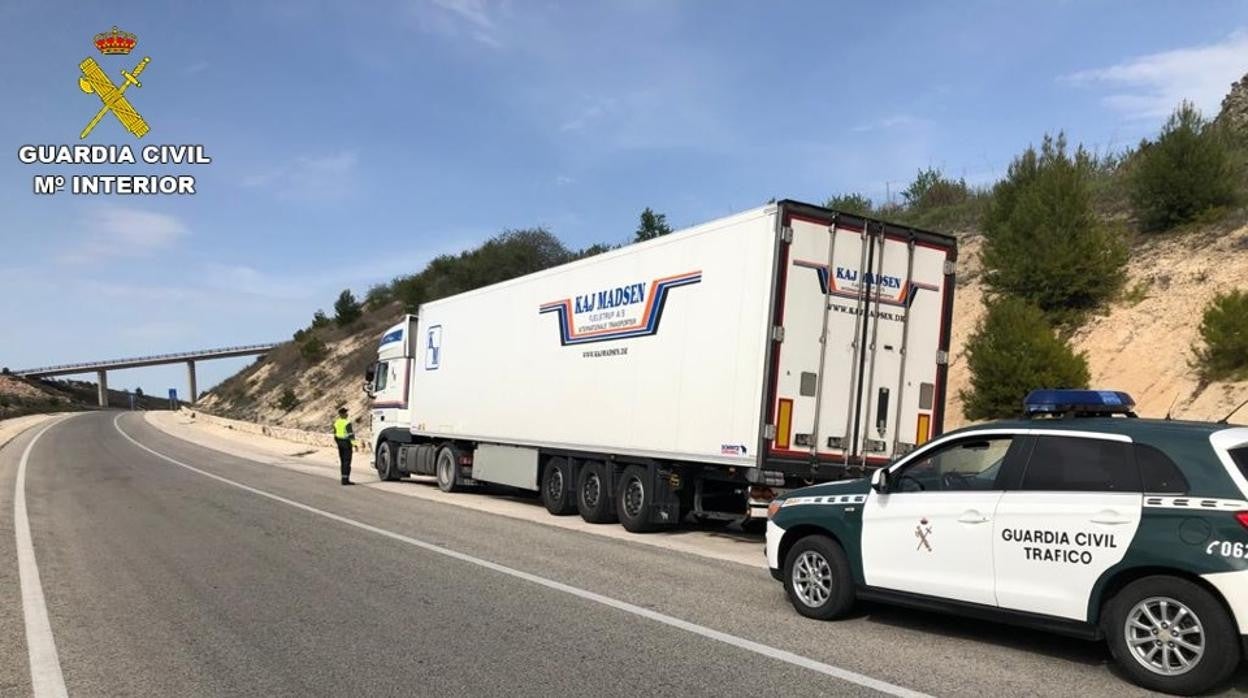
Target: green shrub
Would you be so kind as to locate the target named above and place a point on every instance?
(1187, 172)
(288, 401)
(319, 320)
(312, 349)
(377, 297)
(931, 189)
(651, 225)
(346, 309)
(1224, 330)
(852, 202)
(1012, 351)
(1044, 242)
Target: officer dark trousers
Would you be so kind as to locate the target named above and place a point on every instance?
(344, 456)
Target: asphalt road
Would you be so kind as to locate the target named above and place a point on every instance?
(222, 576)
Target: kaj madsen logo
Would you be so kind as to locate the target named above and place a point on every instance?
(620, 312)
(113, 98)
(848, 283)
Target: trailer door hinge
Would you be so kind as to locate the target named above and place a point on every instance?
(769, 432)
(777, 333)
(951, 267)
(786, 234)
(942, 358)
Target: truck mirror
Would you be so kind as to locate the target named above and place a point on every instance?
(879, 481)
(370, 373)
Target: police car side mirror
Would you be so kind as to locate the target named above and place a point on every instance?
(879, 481)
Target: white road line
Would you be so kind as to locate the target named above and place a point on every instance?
(739, 642)
(46, 678)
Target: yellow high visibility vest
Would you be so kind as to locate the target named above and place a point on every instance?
(340, 428)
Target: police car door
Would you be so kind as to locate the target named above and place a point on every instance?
(1071, 517)
(931, 533)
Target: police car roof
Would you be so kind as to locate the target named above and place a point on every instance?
(1109, 425)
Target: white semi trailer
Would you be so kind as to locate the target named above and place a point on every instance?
(701, 372)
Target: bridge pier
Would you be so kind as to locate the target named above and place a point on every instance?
(101, 379)
(193, 395)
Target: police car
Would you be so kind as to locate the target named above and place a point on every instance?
(1088, 521)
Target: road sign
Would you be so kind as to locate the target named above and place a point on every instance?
(173, 398)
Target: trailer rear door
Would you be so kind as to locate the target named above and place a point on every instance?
(858, 369)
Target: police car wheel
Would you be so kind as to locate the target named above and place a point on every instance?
(559, 487)
(593, 493)
(386, 469)
(817, 578)
(1171, 635)
(447, 470)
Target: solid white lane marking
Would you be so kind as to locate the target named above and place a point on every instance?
(733, 640)
(46, 678)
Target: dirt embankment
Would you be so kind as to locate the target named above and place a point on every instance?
(1142, 342)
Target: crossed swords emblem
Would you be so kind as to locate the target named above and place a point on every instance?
(922, 531)
(94, 80)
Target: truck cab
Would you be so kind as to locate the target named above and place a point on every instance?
(388, 383)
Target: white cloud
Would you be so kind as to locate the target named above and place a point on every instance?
(1151, 86)
(476, 19)
(125, 232)
(320, 177)
(589, 113)
(891, 122)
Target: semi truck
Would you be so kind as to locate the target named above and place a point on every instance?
(700, 373)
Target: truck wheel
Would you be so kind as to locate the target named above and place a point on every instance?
(447, 470)
(559, 487)
(817, 579)
(1171, 635)
(593, 495)
(386, 467)
(633, 499)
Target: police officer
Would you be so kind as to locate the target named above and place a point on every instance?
(344, 437)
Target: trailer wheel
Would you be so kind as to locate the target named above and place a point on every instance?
(633, 498)
(386, 467)
(449, 477)
(593, 493)
(559, 487)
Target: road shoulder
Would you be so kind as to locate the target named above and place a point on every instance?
(717, 545)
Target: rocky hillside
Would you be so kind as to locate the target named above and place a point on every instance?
(1142, 343)
(285, 388)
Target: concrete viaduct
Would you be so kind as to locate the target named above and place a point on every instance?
(101, 368)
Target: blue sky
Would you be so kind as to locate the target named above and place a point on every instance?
(353, 141)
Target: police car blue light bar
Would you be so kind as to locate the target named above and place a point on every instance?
(1072, 402)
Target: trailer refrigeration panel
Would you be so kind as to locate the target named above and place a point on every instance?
(785, 344)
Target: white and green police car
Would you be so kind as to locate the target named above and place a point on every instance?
(1085, 523)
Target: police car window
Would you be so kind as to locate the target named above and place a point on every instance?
(1240, 456)
(971, 464)
(1072, 464)
(383, 375)
(1158, 472)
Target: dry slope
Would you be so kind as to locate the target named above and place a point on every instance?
(1141, 343)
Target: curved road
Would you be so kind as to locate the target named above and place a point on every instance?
(170, 569)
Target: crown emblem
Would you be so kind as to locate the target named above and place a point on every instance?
(115, 42)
